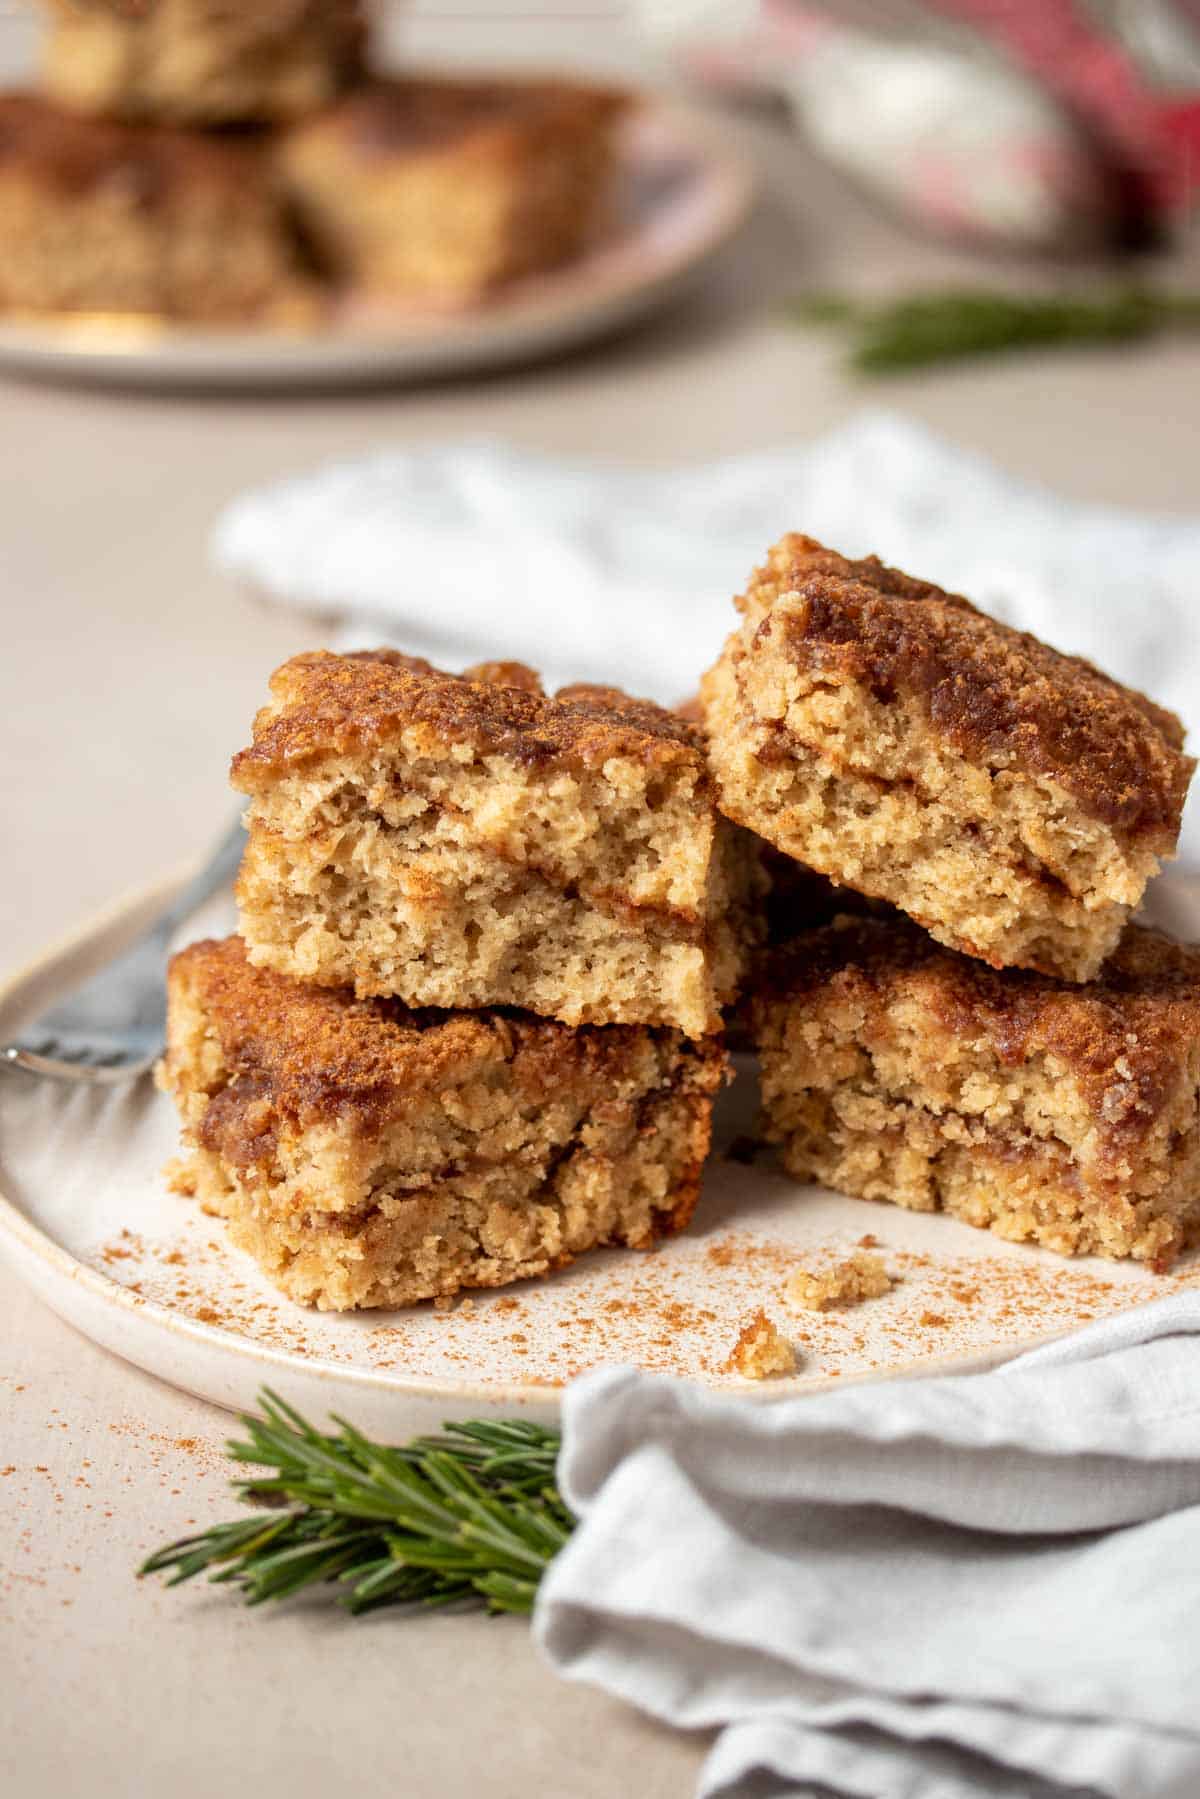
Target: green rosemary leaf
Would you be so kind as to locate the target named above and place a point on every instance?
(823, 309)
(470, 1516)
(506, 1594)
(1181, 309)
(923, 329)
(946, 327)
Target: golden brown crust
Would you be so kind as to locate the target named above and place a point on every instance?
(996, 694)
(328, 704)
(798, 557)
(309, 1056)
(409, 115)
(70, 153)
(412, 665)
(505, 674)
(489, 674)
(1123, 1037)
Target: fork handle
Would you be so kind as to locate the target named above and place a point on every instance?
(73, 1073)
(217, 872)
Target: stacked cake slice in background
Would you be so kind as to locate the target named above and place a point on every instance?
(243, 164)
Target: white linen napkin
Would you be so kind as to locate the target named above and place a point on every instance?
(937, 1589)
(594, 572)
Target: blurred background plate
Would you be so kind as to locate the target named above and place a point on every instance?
(681, 193)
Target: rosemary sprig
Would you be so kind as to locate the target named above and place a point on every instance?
(470, 1516)
(921, 329)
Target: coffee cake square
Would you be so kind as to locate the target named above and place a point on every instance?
(1014, 801)
(369, 1155)
(1049, 1113)
(103, 217)
(440, 188)
(469, 841)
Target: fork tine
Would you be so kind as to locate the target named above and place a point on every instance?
(111, 1028)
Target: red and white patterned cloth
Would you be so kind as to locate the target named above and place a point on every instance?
(1038, 123)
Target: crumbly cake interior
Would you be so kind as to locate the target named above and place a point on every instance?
(428, 186)
(1001, 867)
(1067, 1118)
(472, 887)
(454, 872)
(1014, 801)
(366, 1155)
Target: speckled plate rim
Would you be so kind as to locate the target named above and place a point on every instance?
(217, 1364)
(540, 318)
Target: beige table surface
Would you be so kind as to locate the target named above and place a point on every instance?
(127, 675)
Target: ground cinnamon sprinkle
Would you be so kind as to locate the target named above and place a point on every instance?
(674, 1312)
(35, 1487)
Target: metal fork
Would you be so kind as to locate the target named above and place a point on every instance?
(113, 1027)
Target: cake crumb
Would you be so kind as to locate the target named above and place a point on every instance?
(861, 1276)
(180, 1178)
(761, 1351)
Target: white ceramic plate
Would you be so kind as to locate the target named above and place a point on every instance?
(87, 1220)
(681, 191)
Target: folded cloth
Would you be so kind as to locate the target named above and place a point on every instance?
(1043, 123)
(600, 573)
(975, 1586)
